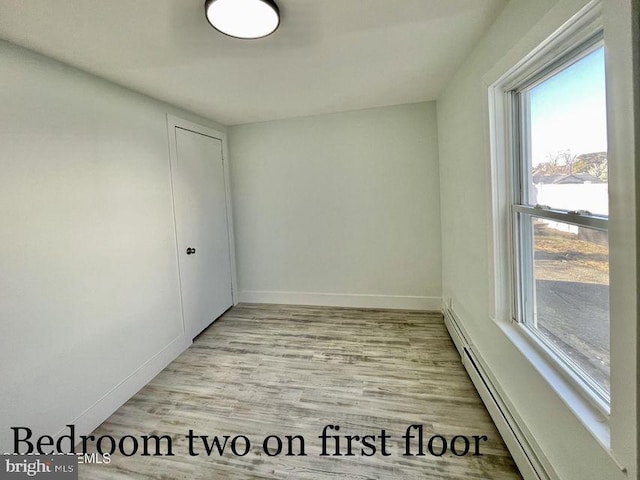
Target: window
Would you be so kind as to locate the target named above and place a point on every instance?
(559, 212)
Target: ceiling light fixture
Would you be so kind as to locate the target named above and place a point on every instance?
(243, 18)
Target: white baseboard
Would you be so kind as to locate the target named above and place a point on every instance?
(97, 413)
(521, 443)
(343, 300)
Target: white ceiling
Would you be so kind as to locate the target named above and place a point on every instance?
(327, 55)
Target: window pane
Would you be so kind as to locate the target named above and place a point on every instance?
(571, 291)
(567, 144)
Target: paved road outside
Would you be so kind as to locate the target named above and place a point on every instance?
(575, 316)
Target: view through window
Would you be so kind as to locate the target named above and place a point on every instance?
(561, 212)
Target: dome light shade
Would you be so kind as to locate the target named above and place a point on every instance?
(243, 18)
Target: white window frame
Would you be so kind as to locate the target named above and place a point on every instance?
(581, 35)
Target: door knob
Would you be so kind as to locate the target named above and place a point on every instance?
(191, 251)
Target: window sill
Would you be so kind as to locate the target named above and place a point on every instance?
(593, 419)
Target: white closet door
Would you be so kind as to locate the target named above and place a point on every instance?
(202, 229)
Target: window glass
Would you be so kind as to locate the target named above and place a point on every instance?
(562, 258)
(566, 148)
(571, 291)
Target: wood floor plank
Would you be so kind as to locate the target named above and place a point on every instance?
(282, 370)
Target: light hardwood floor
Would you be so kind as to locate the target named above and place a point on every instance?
(282, 370)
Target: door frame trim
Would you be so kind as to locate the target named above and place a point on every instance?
(174, 122)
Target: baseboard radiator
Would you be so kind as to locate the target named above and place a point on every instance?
(521, 445)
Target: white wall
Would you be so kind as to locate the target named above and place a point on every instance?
(463, 124)
(89, 302)
(339, 209)
(593, 197)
